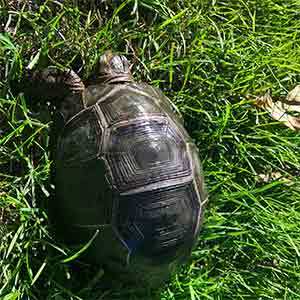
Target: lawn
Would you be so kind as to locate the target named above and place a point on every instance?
(211, 58)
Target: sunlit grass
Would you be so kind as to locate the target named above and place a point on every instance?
(209, 57)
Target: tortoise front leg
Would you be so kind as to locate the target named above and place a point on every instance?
(62, 88)
(66, 79)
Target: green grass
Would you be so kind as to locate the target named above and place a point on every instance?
(208, 57)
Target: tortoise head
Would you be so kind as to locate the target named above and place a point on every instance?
(114, 68)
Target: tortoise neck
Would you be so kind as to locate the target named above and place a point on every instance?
(120, 78)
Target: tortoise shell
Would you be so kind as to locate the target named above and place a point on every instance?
(128, 180)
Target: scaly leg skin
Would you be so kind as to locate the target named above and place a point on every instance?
(63, 88)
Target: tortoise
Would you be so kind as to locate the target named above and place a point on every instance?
(128, 180)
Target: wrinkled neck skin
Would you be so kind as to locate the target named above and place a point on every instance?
(115, 78)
